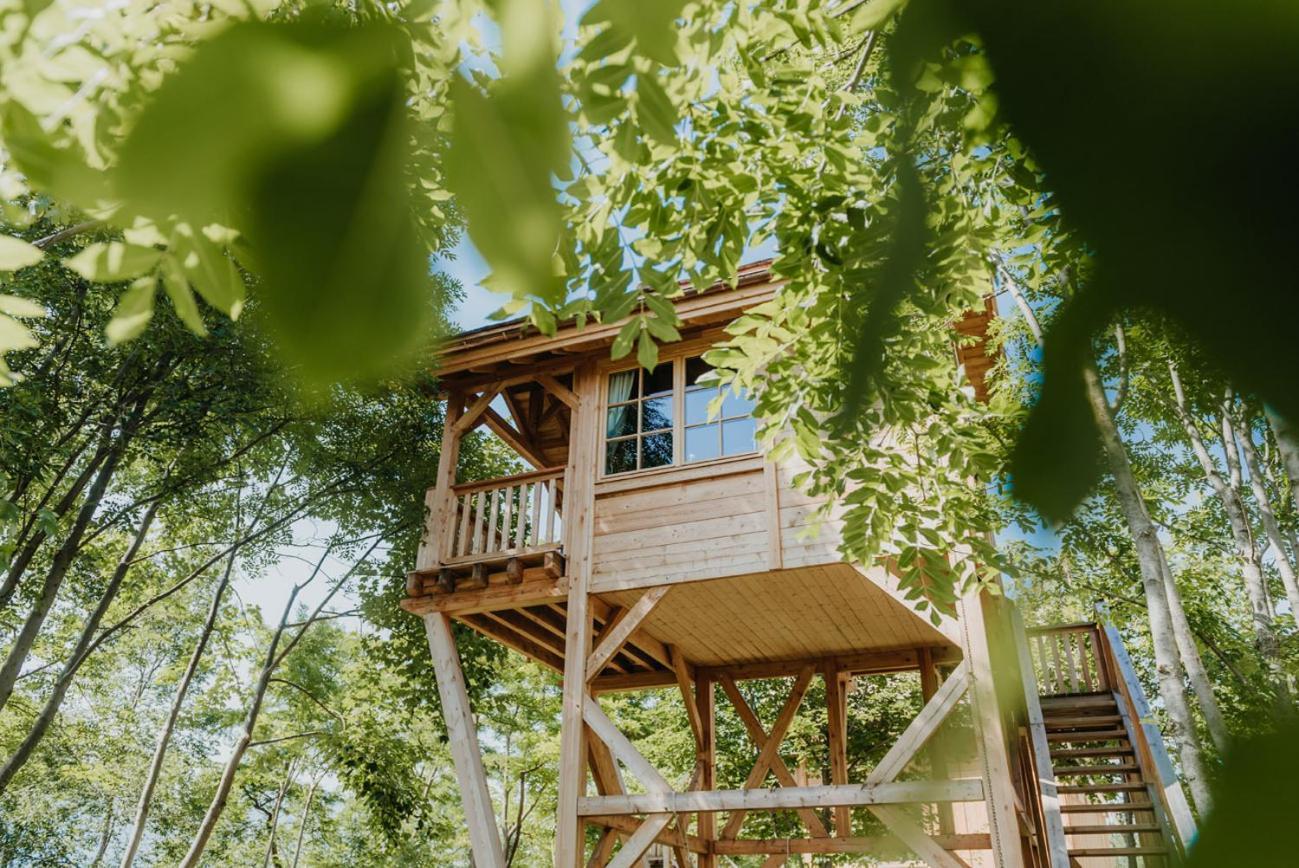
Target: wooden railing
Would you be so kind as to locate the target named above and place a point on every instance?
(507, 517)
(1069, 659)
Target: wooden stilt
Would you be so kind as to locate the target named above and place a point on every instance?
(578, 501)
(706, 705)
(836, 709)
(1003, 823)
(462, 734)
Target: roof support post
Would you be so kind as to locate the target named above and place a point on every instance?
(578, 506)
(484, 837)
(998, 786)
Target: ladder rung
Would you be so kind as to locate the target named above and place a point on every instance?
(1108, 808)
(1125, 787)
(1112, 769)
(1089, 735)
(1086, 721)
(1092, 751)
(1111, 830)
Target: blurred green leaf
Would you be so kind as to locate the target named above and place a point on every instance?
(650, 24)
(111, 261)
(655, 110)
(133, 312)
(16, 253)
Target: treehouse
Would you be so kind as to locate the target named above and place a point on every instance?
(653, 547)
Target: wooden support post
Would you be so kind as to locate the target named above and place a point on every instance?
(1057, 849)
(929, 681)
(1003, 823)
(440, 501)
(462, 734)
(578, 504)
(706, 825)
(836, 709)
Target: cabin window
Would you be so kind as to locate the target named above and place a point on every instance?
(659, 418)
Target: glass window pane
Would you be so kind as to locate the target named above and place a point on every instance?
(696, 368)
(656, 450)
(697, 405)
(736, 405)
(701, 443)
(737, 437)
(622, 386)
(656, 413)
(658, 380)
(620, 456)
(620, 420)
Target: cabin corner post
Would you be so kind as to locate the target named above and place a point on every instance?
(578, 506)
(998, 783)
(441, 513)
(462, 733)
(705, 702)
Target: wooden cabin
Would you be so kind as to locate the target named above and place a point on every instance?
(652, 546)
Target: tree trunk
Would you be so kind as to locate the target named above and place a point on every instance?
(55, 700)
(1191, 660)
(274, 820)
(61, 562)
(1251, 568)
(302, 823)
(177, 702)
(1150, 558)
(1287, 444)
(105, 837)
(1270, 526)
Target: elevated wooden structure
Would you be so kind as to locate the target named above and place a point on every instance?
(653, 547)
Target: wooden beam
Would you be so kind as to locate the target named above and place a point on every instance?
(636, 845)
(930, 679)
(484, 837)
(513, 438)
(578, 507)
(559, 390)
(682, 670)
(628, 622)
(836, 710)
(771, 748)
(536, 589)
(1056, 845)
(922, 727)
(511, 638)
(705, 703)
(786, 798)
(802, 846)
(915, 837)
(775, 542)
(626, 825)
(470, 417)
(624, 751)
(758, 735)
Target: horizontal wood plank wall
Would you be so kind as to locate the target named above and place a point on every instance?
(804, 541)
(681, 531)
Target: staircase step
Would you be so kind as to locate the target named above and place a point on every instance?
(1125, 787)
(1075, 771)
(1103, 829)
(1119, 851)
(1088, 735)
(1077, 701)
(1075, 721)
(1109, 808)
(1091, 751)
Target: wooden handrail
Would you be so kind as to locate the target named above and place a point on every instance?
(504, 481)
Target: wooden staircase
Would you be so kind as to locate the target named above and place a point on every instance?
(1116, 795)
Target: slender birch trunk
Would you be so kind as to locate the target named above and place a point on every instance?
(302, 823)
(274, 821)
(1287, 444)
(274, 656)
(46, 717)
(1251, 568)
(60, 564)
(1192, 662)
(1249, 456)
(1153, 566)
(1150, 558)
(173, 714)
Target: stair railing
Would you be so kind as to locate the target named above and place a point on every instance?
(1068, 659)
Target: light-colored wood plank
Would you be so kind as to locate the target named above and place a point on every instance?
(462, 736)
(924, 725)
(706, 703)
(786, 798)
(559, 390)
(914, 837)
(475, 411)
(636, 845)
(775, 546)
(628, 624)
(771, 747)
(514, 439)
(807, 846)
(837, 732)
(758, 735)
(624, 751)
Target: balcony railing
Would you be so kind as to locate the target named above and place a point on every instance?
(504, 518)
(1068, 659)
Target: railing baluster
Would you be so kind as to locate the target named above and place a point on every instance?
(1069, 658)
(521, 531)
(489, 544)
(550, 511)
(1084, 657)
(479, 511)
(507, 515)
(1058, 683)
(461, 546)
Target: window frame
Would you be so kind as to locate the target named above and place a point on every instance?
(676, 357)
